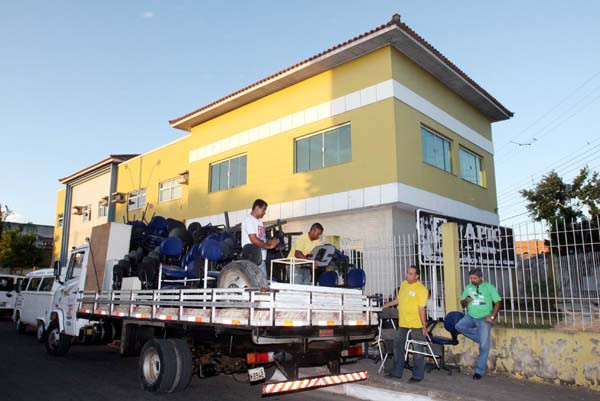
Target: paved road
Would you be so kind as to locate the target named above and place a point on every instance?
(98, 373)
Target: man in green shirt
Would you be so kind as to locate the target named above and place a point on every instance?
(478, 297)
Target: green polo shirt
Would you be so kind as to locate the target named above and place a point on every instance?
(483, 299)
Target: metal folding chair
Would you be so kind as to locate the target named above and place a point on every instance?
(385, 335)
(409, 348)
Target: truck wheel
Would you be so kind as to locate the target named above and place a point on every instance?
(57, 343)
(40, 333)
(242, 274)
(21, 328)
(157, 366)
(184, 365)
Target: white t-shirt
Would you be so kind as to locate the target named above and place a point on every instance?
(252, 225)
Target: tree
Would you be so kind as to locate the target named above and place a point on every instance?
(19, 250)
(3, 216)
(571, 209)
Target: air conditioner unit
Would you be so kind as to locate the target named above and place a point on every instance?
(184, 177)
(103, 201)
(118, 197)
(78, 210)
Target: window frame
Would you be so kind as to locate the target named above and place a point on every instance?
(71, 266)
(32, 281)
(136, 197)
(102, 209)
(228, 161)
(322, 134)
(445, 139)
(86, 215)
(174, 183)
(476, 157)
(44, 281)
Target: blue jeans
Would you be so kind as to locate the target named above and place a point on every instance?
(418, 359)
(263, 268)
(302, 275)
(479, 331)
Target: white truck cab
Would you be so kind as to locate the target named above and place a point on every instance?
(9, 283)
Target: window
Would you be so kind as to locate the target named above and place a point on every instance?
(75, 265)
(136, 199)
(24, 284)
(60, 220)
(436, 150)
(324, 149)
(47, 283)
(102, 209)
(228, 174)
(169, 190)
(34, 284)
(87, 213)
(7, 284)
(470, 166)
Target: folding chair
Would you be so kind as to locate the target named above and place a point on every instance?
(410, 349)
(385, 335)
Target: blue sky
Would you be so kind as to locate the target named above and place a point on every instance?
(82, 80)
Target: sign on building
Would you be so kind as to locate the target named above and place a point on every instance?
(480, 244)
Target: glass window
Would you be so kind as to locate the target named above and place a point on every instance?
(34, 284)
(24, 284)
(47, 283)
(87, 213)
(470, 166)
(324, 149)
(7, 284)
(136, 199)
(102, 209)
(229, 173)
(169, 190)
(75, 265)
(436, 150)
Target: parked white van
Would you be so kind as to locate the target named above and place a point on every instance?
(9, 283)
(34, 302)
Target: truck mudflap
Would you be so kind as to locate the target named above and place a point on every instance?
(313, 382)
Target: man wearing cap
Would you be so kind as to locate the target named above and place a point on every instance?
(483, 303)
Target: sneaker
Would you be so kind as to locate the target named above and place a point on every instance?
(476, 376)
(414, 380)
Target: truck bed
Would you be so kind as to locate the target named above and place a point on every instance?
(281, 305)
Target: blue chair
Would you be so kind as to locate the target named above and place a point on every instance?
(171, 265)
(356, 278)
(328, 279)
(450, 321)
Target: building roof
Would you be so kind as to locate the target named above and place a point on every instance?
(394, 33)
(112, 159)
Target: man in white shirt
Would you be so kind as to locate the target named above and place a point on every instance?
(253, 232)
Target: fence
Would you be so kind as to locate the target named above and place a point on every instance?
(546, 273)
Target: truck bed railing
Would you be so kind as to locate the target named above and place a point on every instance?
(283, 305)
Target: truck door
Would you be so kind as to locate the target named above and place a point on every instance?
(65, 296)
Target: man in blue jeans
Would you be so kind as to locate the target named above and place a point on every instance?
(483, 303)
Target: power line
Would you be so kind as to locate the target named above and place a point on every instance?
(554, 107)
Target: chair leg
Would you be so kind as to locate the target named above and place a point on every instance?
(382, 363)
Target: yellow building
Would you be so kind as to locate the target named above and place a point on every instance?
(357, 137)
(83, 203)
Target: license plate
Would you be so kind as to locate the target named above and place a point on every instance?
(256, 374)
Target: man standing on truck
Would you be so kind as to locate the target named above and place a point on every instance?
(411, 301)
(478, 297)
(302, 248)
(253, 232)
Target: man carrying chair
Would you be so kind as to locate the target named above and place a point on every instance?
(411, 301)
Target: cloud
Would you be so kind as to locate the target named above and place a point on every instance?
(17, 218)
(147, 15)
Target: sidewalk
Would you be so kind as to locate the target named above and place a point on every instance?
(438, 385)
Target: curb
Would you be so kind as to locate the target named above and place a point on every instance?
(371, 393)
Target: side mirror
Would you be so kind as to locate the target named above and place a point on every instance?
(56, 269)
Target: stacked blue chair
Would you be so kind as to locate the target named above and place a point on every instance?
(356, 278)
(328, 279)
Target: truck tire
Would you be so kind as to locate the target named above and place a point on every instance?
(185, 365)
(40, 332)
(57, 343)
(21, 328)
(157, 366)
(242, 274)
